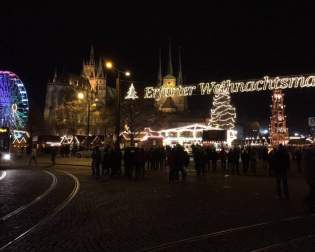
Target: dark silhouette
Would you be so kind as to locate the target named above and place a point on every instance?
(281, 167)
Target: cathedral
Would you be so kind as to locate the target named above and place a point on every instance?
(171, 104)
(65, 112)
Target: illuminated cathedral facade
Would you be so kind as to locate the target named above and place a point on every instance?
(66, 113)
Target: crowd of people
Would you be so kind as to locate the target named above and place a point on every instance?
(134, 162)
(234, 161)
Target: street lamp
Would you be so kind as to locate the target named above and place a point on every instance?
(81, 97)
(110, 65)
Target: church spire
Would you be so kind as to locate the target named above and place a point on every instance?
(55, 76)
(160, 69)
(100, 72)
(170, 66)
(180, 73)
(92, 60)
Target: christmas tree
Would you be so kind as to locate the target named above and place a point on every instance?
(222, 114)
(132, 93)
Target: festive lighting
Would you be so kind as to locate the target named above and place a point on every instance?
(191, 134)
(141, 136)
(158, 93)
(222, 113)
(14, 106)
(132, 93)
(227, 86)
(278, 130)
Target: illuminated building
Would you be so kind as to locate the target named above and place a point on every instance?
(192, 134)
(278, 130)
(64, 113)
(145, 138)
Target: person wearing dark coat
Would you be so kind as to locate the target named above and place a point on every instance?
(200, 158)
(236, 157)
(245, 160)
(106, 161)
(215, 157)
(282, 165)
(96, 160)
(223, 159)
(53, 155)
(179, 162)
(298, 158)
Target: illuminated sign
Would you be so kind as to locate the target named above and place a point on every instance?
(208, 88)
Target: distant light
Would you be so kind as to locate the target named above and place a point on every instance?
(296, 134)
(80, 96)
(6, 156)
(109, 65)
(127, 73)
(265, 131)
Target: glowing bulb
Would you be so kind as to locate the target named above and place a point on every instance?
(109, 65)
(80, 96)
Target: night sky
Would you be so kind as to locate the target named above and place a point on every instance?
(218, 42)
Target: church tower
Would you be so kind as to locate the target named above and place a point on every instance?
(89, 70)
(171, 104)
(101, 82)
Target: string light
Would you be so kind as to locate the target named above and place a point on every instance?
(223, 114)
(132, 93)
(227, 86)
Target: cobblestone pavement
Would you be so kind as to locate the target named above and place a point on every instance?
(122, 215)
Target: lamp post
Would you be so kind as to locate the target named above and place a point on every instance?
(81, 97)
(109, 65)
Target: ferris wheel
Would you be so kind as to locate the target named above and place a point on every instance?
(14, 106)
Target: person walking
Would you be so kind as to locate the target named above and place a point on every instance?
(214, 155)
(53, 155)
(298, 158)
(33, 155)
(245, 160)
(223, 159)
(282, 165)
(106, 161)
(180, 160)
(96, 160)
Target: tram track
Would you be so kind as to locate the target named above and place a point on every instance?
(37, 199)
(187, 242)
(283, 244)
(47, 217)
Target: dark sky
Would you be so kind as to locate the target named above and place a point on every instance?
(218, 41)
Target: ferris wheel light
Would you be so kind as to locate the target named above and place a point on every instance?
(14, 108)
(13, 100)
